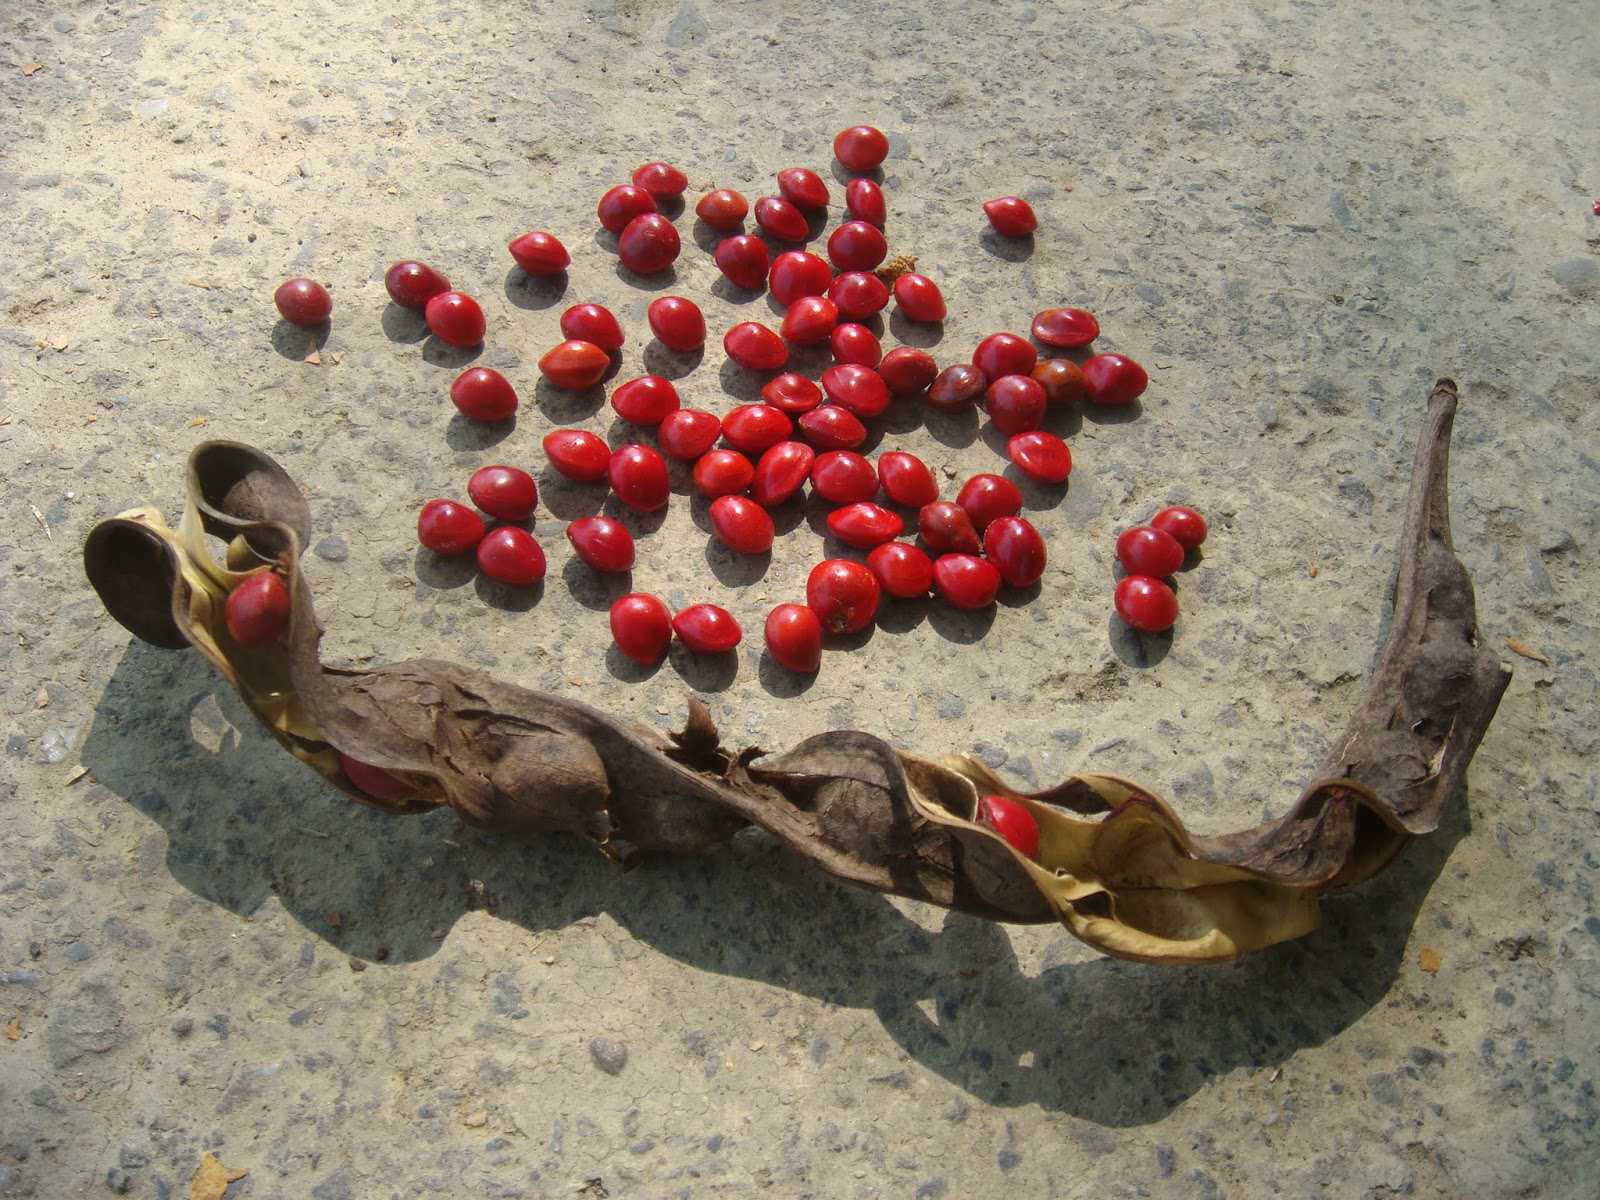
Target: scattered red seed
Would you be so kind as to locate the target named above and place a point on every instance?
(919, 298)
(956, 388)
(687, 433)
(794, 638)
(743, 259)
(908, 371)
(781, 472)
(677, 323)
(723, 209)
(641, 626)
(803, 187)
(857, 387)
(843, 477)
(860, 148)
(446, 527)
(592, 323)
(649, 244)
(412, 284)
(257, 609)
(303, 302)
(843, 594)
(574, 365)
(753, 428)
(965, 581)
(577, 454)
(638, 476)
(512, 556)
(741, 525)
(781, 219)
(483, 394)
(722, 473)
(832, 427)
(372, 780)
(646, 400)
(857, 246)
(1146, 604)
(455, 319)
(853, 343)
(603, 543)
(797, 273)
(661, 180)
(1014, 546)
(792, 392)
(1016, 404)
(1183, 523)
(752, 345)
(863, 199)
(1114, 379)
(858, 294)
(1042, 456)
(505, 493)
(1011, 216)
(810, 320)
(986, 497)
(707, 629)
(622, 204)
(1063, 383)
(1004, 354)
(540, 253)
(946, 527)
(906, 479)
(1068, 328)
(1144, 550)
(864, 525)
(902, 569)
(1012, 821)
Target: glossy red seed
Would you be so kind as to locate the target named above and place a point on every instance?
(1011, 216)
(803, 187)
(908, 371)
(857, 246)
(604, 543)
(794, 638)
(858, 388)
(797, 273)
(1067, 328)
(810, 320)
(781, 471)
(751, 344)
(592, 323)
(373, 781)
(622, 204)
(741, 525)
(843, 594)
(723, 209)
(864, 525)
(1062, 381)
(956, 388)
(791, 392)
(860, 148)
(661, 180)
(1016, 404)
(707, 629)
(906, 479)
(540, 253)
(945, 526)
(412, 284)
(257, 609)
(782, 220)
(512, 556)
(832, 427)
(677, 323)
(863, 200)
(455, 319)
(646, 400)
(303, 302)
(858, 294)
(446, 527)
(574, 365)
(965, 581)
(1014, 546)
(687, 433)
(1004, 354)
(641, 626)
(649, 244)
(1183, 523)
(901, 569)
(853, 343)
(1040, 455)
(753, 428)
(639, 478)
(505, 493)
(577, 454)
(843, 477)
(483, 394)
(1145, 603)
(919, 298)
(986, 497)
(743, 260)
(722, 473)
(1145, 550)
(1012, 821)
(1114, 379)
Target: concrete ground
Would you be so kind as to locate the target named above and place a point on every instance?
(1296, 215)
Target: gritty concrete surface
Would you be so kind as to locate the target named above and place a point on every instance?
(1297, 215)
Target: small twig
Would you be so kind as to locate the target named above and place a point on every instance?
(43, 524)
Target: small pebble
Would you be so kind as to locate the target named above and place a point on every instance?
(608, 1055)
(333, 548)
(183, 1026)
(118, 1180)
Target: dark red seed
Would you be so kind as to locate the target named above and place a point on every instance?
(661, 180)
(843, 594)
(604, 543)
(483, 394)
(803, 187)
(858, 294)
(257, 610)
(782, 220)
(374, 781)
(641, 626)
(1183, 523)
(1004, 354)
(945, 526)
(677, 323)
(753, 428)
(810, 320)
(592, 323)
(512, 556)
(797, 273)
(722, 473)
(1145, 550)
(857, 246)
(455, 319)
(577, 454)
(1011, 216)
(965, 581)
(794, 638)
(957, 388)
(781, 471)
(843, 477)
(752, 345)
(646, 400)
(574, 364)
(622, 204)
(649, 244)
(906, 479)
(864, 525)
(908, 371)
(723, 209)
(303, 302)
(540, 254)
(1146, 604)
(919, 298)
(687, 433)
(505, 493)
(1012, 821)
(707, 629)
(1062, 381)
(741, 525)
(1067, 328)
(902, 569)
(863, 200)
(832, 427)
(1014, 546)
(1042, 456)
(1114, 379)
(412, 284)
(856, 387)
(743, 260)
(446, 527)
(792, 393)
(639, 478)
(1016, 404)
(986, 497)
(860, 148)
(852, 343)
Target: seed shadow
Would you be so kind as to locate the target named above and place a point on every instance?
(606, 240)
(904, 414)
(787, 516)
(810, 361)
(402, 325)
(1112, 414)
(443, 572)
(844, 175)
(777, 680)
(656, 281)
(1192, 558)
(994, 438)
(1037, 496)
(1009, 249)
(294, 343)
(439, 353)
(1013, 597)
(463, 433)
(640, 524)
(902, 616)
(921, 334)
(1063, 420)
(533, 293)
(670, 207)
(707, 238)
(733, 569)
(595, 590)
(704, 672)
(624, 668)
(961, 625)
(507, 598)
(569, 499)
(851, 641)
(741, 383)
(957, 430)
(564, 406)
(727, 290)
(1138, 650)
(816, 222)
(668, 363)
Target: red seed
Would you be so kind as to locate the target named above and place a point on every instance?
(957, 388)
(592, 323)
(622, 204)
(1041, 455)
(1004, 354)
(257, 609)
(860, 148)
(986, 497)
(852, 343)
(858, 388)
(857, 246)
(574, 365)
(965, 581)
(908, 371)
(1067, 328)
(412, 284)
(945, 526)
(843, 594)
(687, 433)
(646, 400)
(919, 298)
(372, 780)
(863, 199)
(1183, 523)
(455, 319)
(858, 294)
(722, 473)
(791, 392)
(639, 478)
(1011, 821)
(797, 273)
(723, 209)
(505, 493)
(483, 394)
(540, 253)
(1062, 381)
(843, 477)
(512, 556)
(577, 454)
(906, 479)
(677, 323)
(781, 471)
(604, 543)
(810, 320)
(794, 638)
(751, 344)
(753, 428)
(661, 180)
(641, 626)
(782, 220)
(1011, 216)
(1114, 379)
(864, 525)
(1146, 604)
(743, 259)
(803, 187)
(902, 569)
(832, 427)
(303, 302)
(1144, 550)
(707, 629)
(649, 244)
(1016, 404)
(446, 527)
(741, 525)
(1014, 546)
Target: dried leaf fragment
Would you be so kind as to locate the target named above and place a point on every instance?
(196, 422)
(313, 357)
(1430, 960)
(32, 68)
(211, 1178)
(900, 264)
(14, 1028)
(1527, 651)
